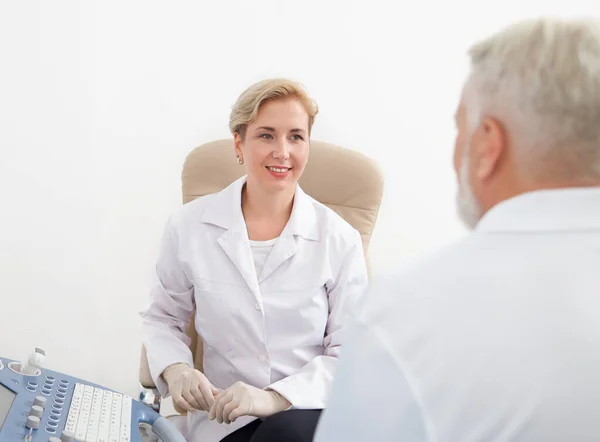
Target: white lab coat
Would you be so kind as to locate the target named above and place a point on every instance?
(496, 338)
(282, 329)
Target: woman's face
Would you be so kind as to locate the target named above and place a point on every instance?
(276, 145)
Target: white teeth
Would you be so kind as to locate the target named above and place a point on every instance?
(278, 169)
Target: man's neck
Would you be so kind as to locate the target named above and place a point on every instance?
(506, 192)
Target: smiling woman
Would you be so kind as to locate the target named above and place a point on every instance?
(271, 124)
(281, 148)
(273, 277)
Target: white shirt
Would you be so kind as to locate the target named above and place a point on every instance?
(496, 338)
(281, 327)
(260, 252)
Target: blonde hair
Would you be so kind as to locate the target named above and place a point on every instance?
(250, 101)
(542, 79)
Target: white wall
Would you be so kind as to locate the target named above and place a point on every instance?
(101, 101)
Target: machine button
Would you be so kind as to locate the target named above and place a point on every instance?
(67, 436)
(40, 401)
(37, 411)
(54, 439)
(33, 422)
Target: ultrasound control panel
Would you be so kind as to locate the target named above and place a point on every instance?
(40, 405)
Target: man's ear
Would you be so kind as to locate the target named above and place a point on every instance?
(491, 144)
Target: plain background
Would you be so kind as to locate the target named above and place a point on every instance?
(101, 101)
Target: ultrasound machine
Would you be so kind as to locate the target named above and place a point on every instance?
(40, 405)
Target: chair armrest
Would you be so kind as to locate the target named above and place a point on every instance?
(145, 376)
(149, 394)
(150, 397)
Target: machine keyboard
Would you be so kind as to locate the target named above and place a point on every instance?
(98, 415)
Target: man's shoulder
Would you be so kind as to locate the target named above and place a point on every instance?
(420, 282)
(446, 257)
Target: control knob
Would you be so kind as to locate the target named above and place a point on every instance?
(36, 411)
(33, 422)
(67, 436)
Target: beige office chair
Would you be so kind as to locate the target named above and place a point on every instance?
(347, 181)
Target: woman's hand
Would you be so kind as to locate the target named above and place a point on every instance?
(189, 388)
(245, 400)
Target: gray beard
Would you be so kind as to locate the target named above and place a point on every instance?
(466, 203)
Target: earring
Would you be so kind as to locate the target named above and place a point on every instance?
(240, 160)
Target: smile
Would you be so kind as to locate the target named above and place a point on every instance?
(278, 169)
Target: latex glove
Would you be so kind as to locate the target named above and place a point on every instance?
(245, 400)
(189, 388)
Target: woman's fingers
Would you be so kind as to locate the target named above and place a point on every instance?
(206, 390)
(212, 414)
(181, 401)
(199, 398)
(188, 394)
(235, 413)
(228, 410)
(221, 405)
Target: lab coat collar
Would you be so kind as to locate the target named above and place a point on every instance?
(226, 211)
(568, 209)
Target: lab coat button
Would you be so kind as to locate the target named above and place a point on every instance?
(257, 306)
(262, 358)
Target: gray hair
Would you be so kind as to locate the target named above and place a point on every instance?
(541, 79)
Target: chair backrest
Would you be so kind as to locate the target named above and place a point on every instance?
(346, 181)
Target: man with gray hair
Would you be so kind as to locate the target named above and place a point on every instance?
(497, 338)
